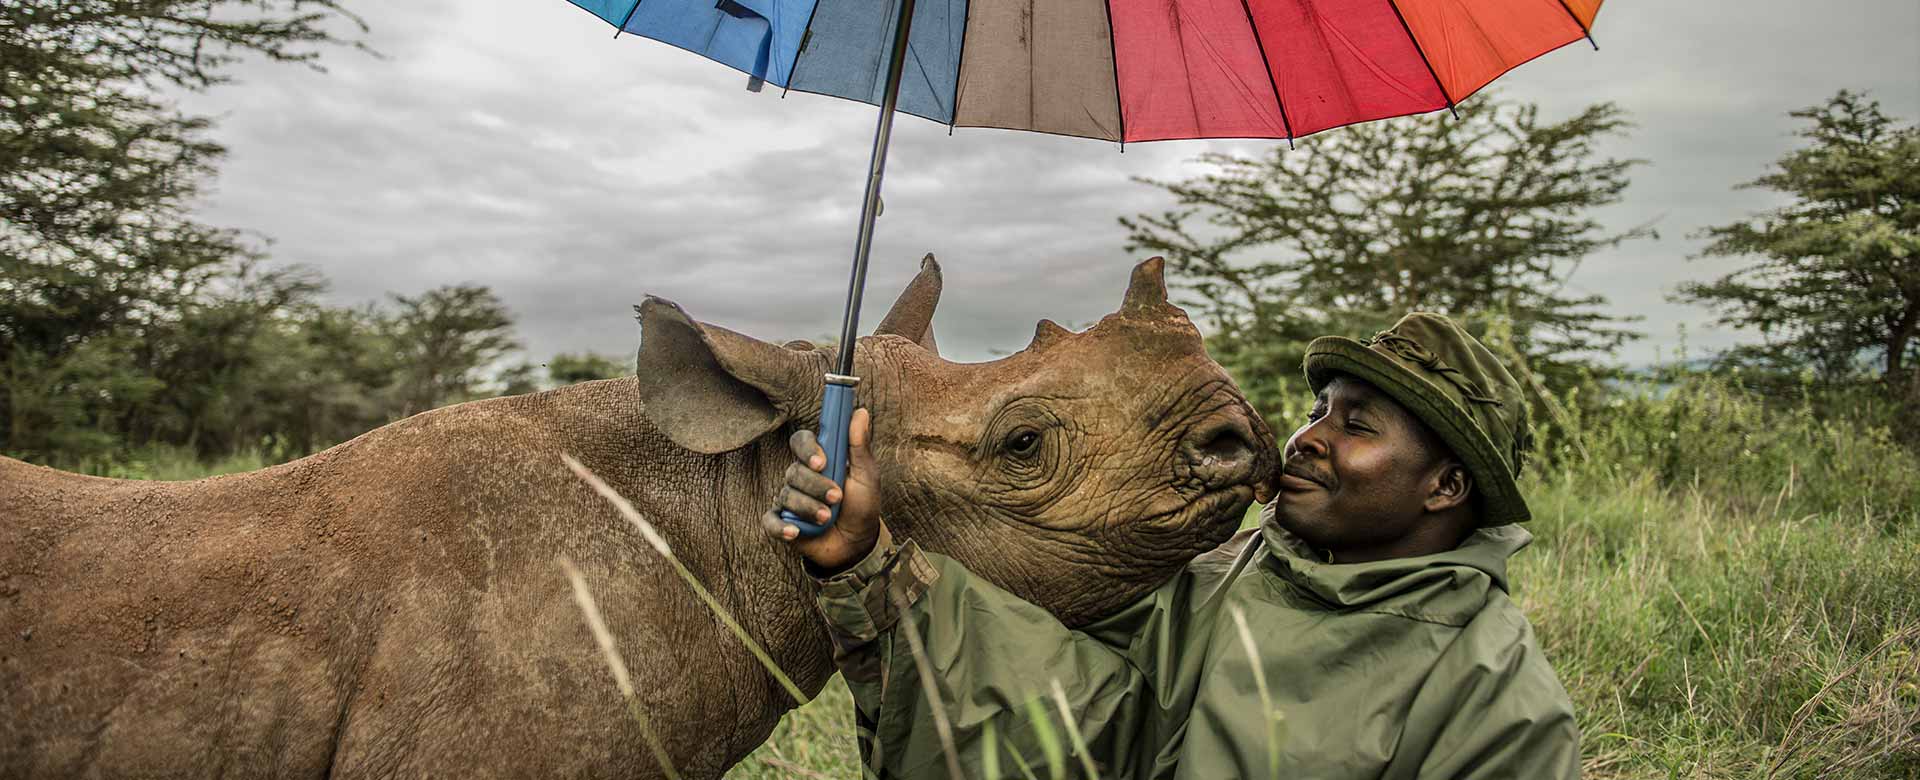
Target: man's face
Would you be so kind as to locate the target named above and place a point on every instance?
(1359, 474)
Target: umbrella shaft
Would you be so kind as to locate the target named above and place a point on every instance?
(850, 324)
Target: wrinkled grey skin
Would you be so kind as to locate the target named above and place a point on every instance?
(392, 606)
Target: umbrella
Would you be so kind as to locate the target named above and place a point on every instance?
(1118, 70)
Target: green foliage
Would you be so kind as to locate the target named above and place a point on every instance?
(1489, 213)
(97, 178)
(1812, 456)
(444, 338)
(569, 368)
(252, 363)
(163, 462)
(69, 408)
(1837, 280)
(105, 278)
(566, 368)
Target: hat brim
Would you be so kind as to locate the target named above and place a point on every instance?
(1501, 503)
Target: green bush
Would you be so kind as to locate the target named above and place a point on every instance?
(1811, 454)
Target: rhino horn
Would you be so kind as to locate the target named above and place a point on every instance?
(712, 390)
(1147, 291)
(912, 313)
(1047, 333)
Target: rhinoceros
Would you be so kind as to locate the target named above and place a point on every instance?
(393, 606)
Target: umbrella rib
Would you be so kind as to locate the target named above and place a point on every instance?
(960, 67)
(624, 19)
(1186, 67)
(1264, 63)
(1118, 108)
(1395, 5)
(1583, 25)
(924, 78)
(806, 34)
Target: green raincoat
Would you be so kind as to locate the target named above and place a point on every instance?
(1407, 668)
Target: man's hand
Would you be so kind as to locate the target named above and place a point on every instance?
(809, 492)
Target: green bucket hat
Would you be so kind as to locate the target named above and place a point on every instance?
(1456, 386)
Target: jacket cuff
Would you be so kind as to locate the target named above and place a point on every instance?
(859, 604)
(876, 559)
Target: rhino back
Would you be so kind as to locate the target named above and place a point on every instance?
(130, 612)
(389, 605)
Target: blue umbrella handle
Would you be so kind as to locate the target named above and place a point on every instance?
(836, 412)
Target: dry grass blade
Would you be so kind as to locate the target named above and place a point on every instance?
(621, 678)
(659, 544)
(927, 686)
(1026, 769)
(1073, 730)
(1806, 709)
(1260, 686)
(1713, 647)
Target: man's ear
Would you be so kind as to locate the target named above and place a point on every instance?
(712, 390)
(1452, 486)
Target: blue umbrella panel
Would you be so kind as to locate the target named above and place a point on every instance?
(829, 47)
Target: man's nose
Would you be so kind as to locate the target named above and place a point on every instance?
(1307, 441)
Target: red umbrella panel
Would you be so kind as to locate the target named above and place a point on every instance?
(1124, 70)
(1242, 68)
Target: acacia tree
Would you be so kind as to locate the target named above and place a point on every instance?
(1837, 277)
(1485, 214)
(97, 178)
(445, 337)
(569, 368)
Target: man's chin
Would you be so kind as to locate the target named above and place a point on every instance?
(1293, 513)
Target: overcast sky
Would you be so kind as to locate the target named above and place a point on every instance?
(516, 144)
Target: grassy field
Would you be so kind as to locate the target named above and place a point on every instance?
(1727, 590)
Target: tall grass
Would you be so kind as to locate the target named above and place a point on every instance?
(1729, 588)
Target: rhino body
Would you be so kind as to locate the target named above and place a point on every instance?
(392, 606)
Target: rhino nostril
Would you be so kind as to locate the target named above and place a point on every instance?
(1226, 443)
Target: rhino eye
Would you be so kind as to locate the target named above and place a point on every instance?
(1024, 443)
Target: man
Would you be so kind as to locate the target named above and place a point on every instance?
(1373, 598)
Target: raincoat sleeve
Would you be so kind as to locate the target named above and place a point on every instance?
(994, 659)
(1493, 707)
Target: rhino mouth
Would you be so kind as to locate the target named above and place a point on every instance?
(1201, 524)
(1221, 511)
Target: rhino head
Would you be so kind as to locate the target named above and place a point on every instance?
(1078, 473)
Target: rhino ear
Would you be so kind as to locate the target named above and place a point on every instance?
(1147, 290)
(712, 390)
(912, 313)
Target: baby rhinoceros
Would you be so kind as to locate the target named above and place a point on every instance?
(393, 606)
